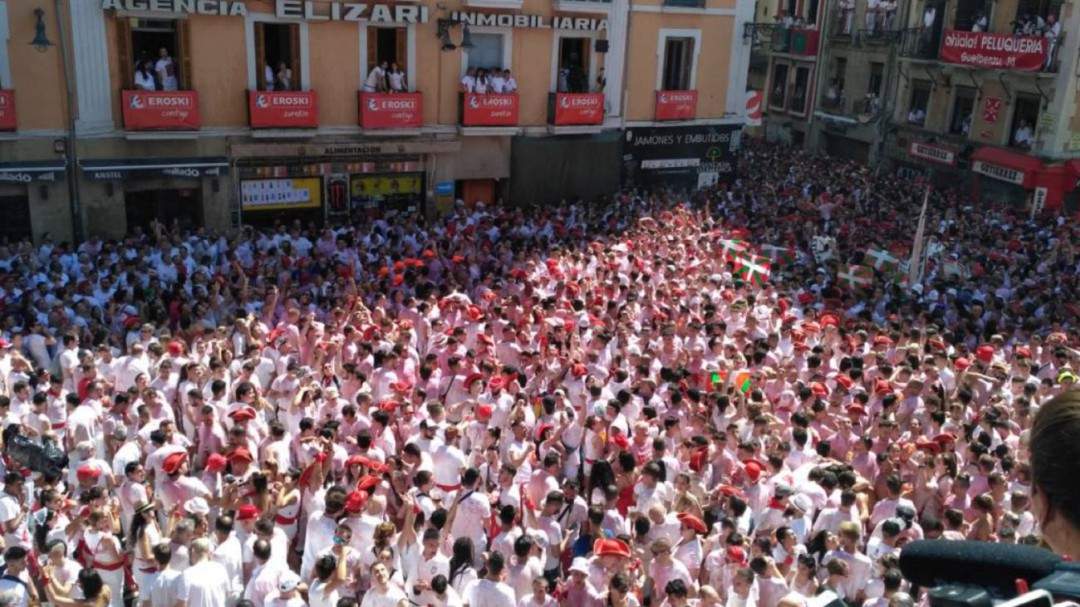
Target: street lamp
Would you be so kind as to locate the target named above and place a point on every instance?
(41, 41)
(444, 34)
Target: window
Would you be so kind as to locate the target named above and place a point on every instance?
(5, 66)
(388, 44)
(154, 54)
(802, 84)
(835, 97)
(963, 107)
(929, 38)
(277, 56)
(574, 63)
(1025, 121)
(811, 12)
(778, 97)
(678, 64)
(972, 15)
(877, 77)
(919, 102)
(487, 51)
(1032, 14)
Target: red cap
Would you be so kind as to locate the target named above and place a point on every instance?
(578, 370)
(732, 491)
(496, 383)
(243, 414)
(215, 462)
(753, 469)
(693, 522)
(937, 344)
(620, 441)
(247, 512)
(844, 381)
(1023, 352)
(241, 454)
(483, 412)
(172, 462)
(819, 389)
(400, 386)
(475, 312)
(929, 445)
(856, 409)
(356, 500)
(882, 387)
(367, 482)
(736, 554)
(698, 459)
(175, 348)
(87, 473)
(472, 379)
(962, 363)
(612, 547)
(985, 353)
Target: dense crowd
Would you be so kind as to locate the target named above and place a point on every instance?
(584, 404)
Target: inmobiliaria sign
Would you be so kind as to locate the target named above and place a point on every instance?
(579, 108)
(161, 110)
(7, 110)
(676, 105)
(994, 51)
(489, 110)
(283, 109)
(391, 110)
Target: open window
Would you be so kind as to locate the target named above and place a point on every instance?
(1025, 120)
(972, 15)
(963, 108)
(877, 78)
(835, 96)
(778, 91)
(1031, 15)
(678, 63)
(918, 102)
(277, 56)
(575, 56)
(154, 54)
(387, 45)
(802, 85)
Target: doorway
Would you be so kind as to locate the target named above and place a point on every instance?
(573, 65)
(16, 212)
(180, 205)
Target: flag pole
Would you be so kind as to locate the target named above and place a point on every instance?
(915, 264)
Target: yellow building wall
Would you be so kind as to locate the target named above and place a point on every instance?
(219, 69)
(37, 76)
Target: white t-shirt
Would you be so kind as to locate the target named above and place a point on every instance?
(393, 597)
(9, 510)
(163, 591)
(205, 584)
(374, 79)
(318, 597)
(485, 593)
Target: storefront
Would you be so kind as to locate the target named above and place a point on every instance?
(171, 191)
(1004, 175)
(22, 183)
(684, 157)
(934, 162)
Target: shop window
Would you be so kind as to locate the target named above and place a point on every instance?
(181, 206)
(154, 54)
(487, 52)
(387, 45)
(918, 102)
(1025, 119)
(972, 15)
(802, 84)
(778, 96)
(574, 63)
(678, 63)
(277, 56)
(963, 108)
(16, 224)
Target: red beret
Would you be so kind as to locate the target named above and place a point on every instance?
(1023, 352)
(243, 414)
(241, 454)
(693, 522)
(844, 381)
(985, 353)
(472, 379)
(620, 441)
(856, 409)
(729, 490)
(86, 473)
(578, 370)
(173, 462)
(484, 412)
(883, 340)
(247, 512)
(754, 469)
(929, 445)
(367, 481)
(962, 363)
(698, 459)
(215, 462)
(882, 387)
(612, 547)
(356, 500)
(819, 389)
(944, 438)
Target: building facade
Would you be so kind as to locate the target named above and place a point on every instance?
(214, 112)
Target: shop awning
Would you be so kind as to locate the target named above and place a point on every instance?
(115, 169)
(1006, 165)
(29, 172)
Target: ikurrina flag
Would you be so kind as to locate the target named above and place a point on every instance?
(753, 269)
(880, 259)
(740, 381)
(731, 249)
(852, 276)
(780, 256)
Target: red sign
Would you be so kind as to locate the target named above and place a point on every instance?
(753, 108)
(676, 105)
(391, 110)
(579, 108)
(489, 110)
(994, 51)
(161, 110)
(283, 109)
(933, 153)
(991, 109)
(7, 110)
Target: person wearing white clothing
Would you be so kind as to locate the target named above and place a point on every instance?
(382, 594)
(266, 574)
(490, 591)
(229, 553)
(205, 583)
(163, 589)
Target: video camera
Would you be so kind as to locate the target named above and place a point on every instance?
(982, 574)
(35, 456)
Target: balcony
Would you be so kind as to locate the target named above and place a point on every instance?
(391, 111)
(161, 110)
(685, 3)
(582, 6)
(283, 110)
(7, 110)
(575, 109)
(986, 50)
(676, 105)
(487, 110)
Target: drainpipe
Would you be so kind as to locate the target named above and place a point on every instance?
(71, 155)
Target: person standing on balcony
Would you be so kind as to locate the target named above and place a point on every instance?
(268, 75)
(376, 79)
(144, 76)
(1052, 32)
(284, 77)
(873, 8)
(888, 7)
(497, 82)
(468, 81)
(397, 79)
(166, 71)
(511, 84)
(847, 16)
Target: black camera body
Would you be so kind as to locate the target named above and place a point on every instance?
(33, 455)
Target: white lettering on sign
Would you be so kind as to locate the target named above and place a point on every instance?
(932, 153)
(303, 10)
(219, 8)
(167, 101)
(998, 172)
(529, 21)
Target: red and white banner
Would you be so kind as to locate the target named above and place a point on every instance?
(391, 110)
(754, 99)
(161, 110)
(676, 105)
(283, 109)
(939, 154)
(994, 51)
(489, 110)
(579, 108)
(991, 109)
(7, 110)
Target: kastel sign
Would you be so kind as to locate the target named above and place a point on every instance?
(7, 110)
(283, 109)
(161, 110)
(578, 109)
(676, 105)
(489, 110)
(391, 110)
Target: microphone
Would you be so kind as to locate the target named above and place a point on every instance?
(996, 567)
